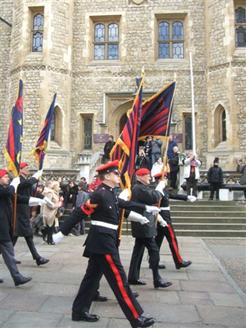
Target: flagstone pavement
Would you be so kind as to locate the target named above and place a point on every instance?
(208, 294)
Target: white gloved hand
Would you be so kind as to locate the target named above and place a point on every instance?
(57, 237)
(191, 198)
(161, 186)
(48, 202)
(136, 217)
(161, 221)
(34, 201)
(152, 209)
(38, 174)
(124, 195)
(15, 182)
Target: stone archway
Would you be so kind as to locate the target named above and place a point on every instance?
(118, 118)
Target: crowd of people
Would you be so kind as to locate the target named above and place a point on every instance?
(40, 205)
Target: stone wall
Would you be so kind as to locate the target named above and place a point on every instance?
(5, 38)
(105, 88)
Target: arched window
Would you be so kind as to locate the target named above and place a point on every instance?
(56, 126)
(240, 26)
(187, 131)
(37, 33)
(171, 39)
(223, 125)
(106, 41)
(220, 132)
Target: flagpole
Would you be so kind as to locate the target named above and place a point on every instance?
(192, 106)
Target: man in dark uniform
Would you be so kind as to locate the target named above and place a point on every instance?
(23, 225)
(101, 247)
(144, 234)
(165, 227)
(6, 245)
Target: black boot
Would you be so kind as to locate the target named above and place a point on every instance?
(45, 233)
(49, 237)
(41, 261)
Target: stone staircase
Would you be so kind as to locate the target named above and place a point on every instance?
(209, 218)
(202, 219)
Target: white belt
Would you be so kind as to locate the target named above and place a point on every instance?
(104, 224)
(165, 208)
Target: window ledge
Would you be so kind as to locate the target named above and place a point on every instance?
(104, 62)
(172, 60)
(240, 52)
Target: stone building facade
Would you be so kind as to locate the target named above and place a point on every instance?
(95, 87)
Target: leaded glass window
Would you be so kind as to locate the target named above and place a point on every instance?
(106, 41)
(87, 133)
(37, 33)
(223, 125)
(240, 26)
(171, 39)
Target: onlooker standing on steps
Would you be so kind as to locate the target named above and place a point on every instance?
(215, 179)
(191, 173)
(241, 167)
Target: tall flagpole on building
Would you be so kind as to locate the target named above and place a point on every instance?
(192, 107)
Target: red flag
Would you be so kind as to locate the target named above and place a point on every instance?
(12, 151)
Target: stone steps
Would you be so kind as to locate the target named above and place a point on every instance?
(202, 219)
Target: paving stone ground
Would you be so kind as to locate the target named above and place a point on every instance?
(205, 295)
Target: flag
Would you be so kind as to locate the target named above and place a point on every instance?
(156, 113)
(42, 143)
(125, 148)
(12, 151)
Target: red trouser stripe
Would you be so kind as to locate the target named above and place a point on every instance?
(121, 285)
(175, 246)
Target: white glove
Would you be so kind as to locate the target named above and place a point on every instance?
(48, 202)
(191, 198)
(124, 194)
(34, 201)
(136, 217)
(161, 186)
(15, 182)
(152, 209)
(38, 174)
(57, 237)
(161, 221)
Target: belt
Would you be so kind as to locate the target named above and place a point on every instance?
(165, 208)
(104, 224)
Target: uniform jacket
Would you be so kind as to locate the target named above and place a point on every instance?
(6, 212)
(165, 203)
(145, 194)
(104, 206)
(23, 227)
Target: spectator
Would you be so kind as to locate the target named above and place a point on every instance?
(73, 191)
(172, 143)
(148, 149)
(191, 173)
(215, 179)
(51, 191)
(241, 168)
(65, 191)
(155, 150)
(174, 167)
(107, 149)
(82, 197)
(142, 160)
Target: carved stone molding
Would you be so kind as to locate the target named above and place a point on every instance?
(137, 2)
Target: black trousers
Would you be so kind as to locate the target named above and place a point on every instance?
(173, 179)
(110, 266)
(191, 183)
(214, 187)
(7, 250)
(169, 233)
(31, 246)
(137, 256)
